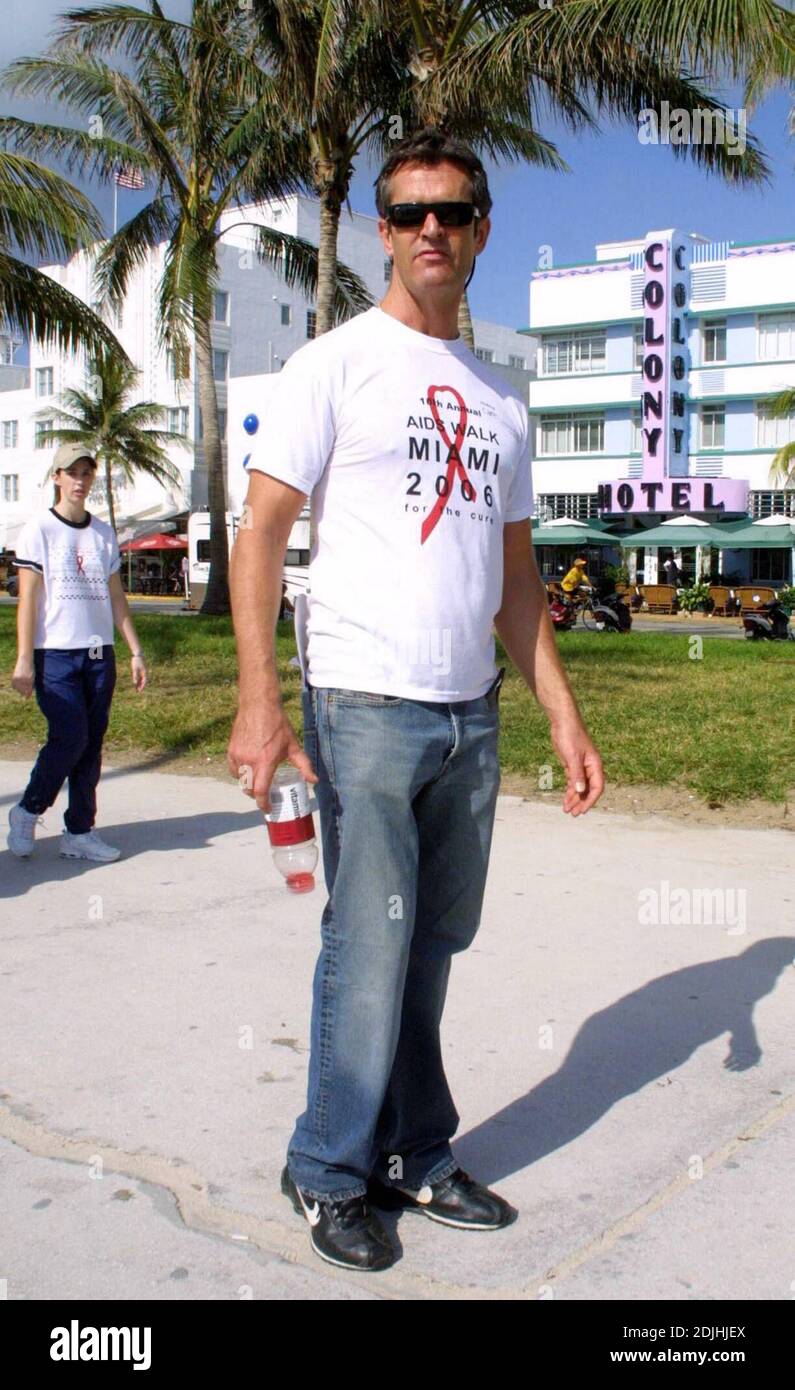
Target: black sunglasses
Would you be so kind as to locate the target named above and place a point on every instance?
(446, 214)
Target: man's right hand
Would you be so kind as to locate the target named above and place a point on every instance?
(262, 737)
(22, 679)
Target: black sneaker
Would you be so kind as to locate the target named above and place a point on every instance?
(345, 1233)
(456, 1200)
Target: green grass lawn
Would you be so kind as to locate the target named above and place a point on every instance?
(722, 727)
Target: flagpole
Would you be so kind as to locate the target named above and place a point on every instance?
(115, 204)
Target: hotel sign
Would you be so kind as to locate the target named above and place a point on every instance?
(634, 495)
(664, 485)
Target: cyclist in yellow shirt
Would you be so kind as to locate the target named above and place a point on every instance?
(575, 577)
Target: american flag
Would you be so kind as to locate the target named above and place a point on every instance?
(127, 177)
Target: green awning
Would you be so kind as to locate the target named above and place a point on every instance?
(760, 536)
(677, 537)
(572, 533)
(730, 535)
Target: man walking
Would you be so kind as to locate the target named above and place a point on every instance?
(416, 457)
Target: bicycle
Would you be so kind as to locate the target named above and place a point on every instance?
(584, 602)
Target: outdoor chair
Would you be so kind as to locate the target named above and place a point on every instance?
(723, 599)
(752, 598)
(660, 598)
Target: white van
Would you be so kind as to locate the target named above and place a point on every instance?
(296, 559)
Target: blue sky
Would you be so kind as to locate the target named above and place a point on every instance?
(617, 186)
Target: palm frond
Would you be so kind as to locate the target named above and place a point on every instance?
(782, 469)
(43, 310)
(296, 260)
(129, 250)
(91, 156)
(41, 212)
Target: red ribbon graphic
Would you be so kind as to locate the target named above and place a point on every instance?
(454, 464)
(80, 562)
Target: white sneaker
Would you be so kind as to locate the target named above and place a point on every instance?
(88, 846)
(22, 831)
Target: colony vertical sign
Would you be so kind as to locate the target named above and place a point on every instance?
(664, 485)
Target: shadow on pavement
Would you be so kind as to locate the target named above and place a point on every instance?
(639, 1039)
(131, 837)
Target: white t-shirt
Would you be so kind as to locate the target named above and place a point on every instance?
(75, 561)
(414, 454)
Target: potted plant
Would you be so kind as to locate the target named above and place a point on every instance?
(696, 599)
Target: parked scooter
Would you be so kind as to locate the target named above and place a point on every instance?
(610, 614)
(562, 612)
(771, 622)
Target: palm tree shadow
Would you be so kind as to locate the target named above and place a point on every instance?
(641, 1037)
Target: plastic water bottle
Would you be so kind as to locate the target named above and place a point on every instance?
(291, 829)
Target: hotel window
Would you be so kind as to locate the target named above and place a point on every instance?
(178, 364)
(714, 341)
(10, 434)
(484, 354)
(773, 431)
(387, 269)
(767, 565)
(775, 336)
(286, 315)
(221, 306)
(580, 506)
(515, 361)
(6, 351)
(638, 348)
(44, 381)
(220, 365)
(576, 352)
(42, 427)
(10, 487)
(572, 434)
(713, 426)
(636, 442)
(178, 419)
(777, 503)
(311, 323)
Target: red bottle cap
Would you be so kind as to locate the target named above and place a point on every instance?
(301, 883)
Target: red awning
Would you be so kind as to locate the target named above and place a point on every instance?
(159, 541)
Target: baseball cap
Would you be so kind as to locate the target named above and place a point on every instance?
(68, 454)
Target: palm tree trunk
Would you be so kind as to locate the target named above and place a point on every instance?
(216, 598)
(109, 490)
(330, 205)
(465, 322)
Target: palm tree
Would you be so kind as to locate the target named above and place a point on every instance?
(477, 69)
(476, 62)
(782, 469)
(190, 110)
(121, 436)
(774, 65)
(343, 68)
(43, 216)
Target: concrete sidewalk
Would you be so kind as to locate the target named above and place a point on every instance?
(155, 1019)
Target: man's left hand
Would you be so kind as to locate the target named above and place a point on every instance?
(585, 779)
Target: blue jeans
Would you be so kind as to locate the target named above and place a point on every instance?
(407, 795)
(74, 691)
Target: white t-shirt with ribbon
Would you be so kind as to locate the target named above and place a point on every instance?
(415, 454)
(75, 560)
